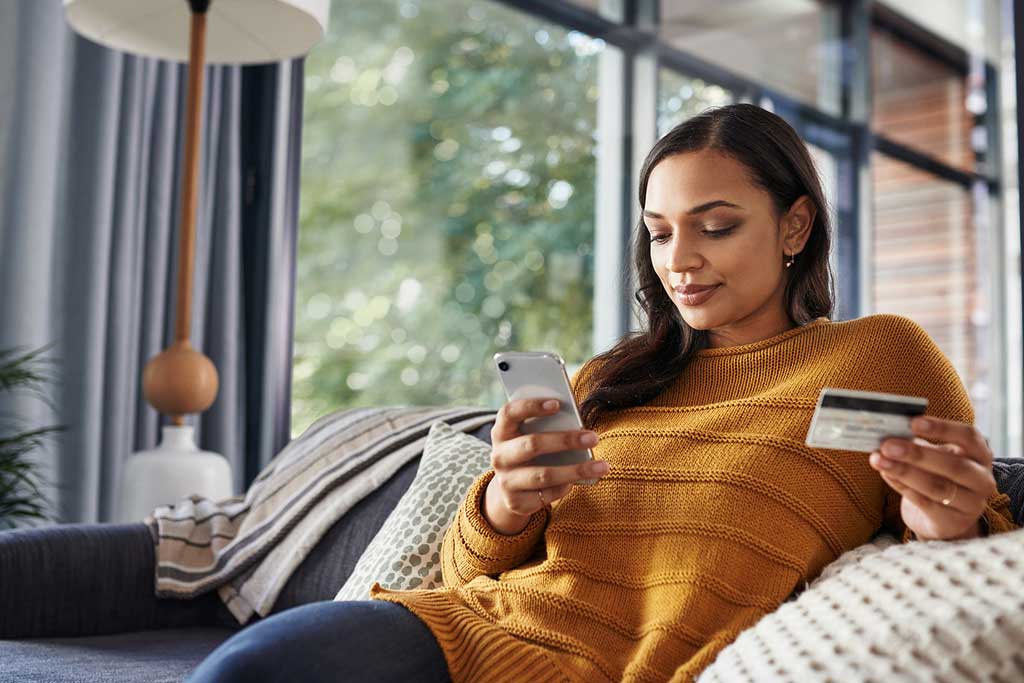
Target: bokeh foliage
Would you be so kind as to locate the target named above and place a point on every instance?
(447, 206)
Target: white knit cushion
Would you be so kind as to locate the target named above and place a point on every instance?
(899, 613)
(406, 552)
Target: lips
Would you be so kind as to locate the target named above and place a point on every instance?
(693, 289)
(695, 295)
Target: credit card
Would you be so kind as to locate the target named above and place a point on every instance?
(851, 420)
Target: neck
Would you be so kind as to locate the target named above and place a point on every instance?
(749, 331)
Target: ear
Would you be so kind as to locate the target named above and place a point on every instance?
(797, 224)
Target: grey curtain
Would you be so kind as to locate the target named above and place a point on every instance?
(90, 141)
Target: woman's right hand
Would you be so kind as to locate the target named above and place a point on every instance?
(511, 495)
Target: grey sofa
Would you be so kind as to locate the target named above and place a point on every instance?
(77, 603)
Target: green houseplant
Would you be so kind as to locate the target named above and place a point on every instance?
(21, 496)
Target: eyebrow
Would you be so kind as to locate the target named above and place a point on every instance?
(701, 208)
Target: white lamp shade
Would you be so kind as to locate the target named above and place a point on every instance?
(237, 31)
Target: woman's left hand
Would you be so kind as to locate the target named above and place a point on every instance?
(958, 468)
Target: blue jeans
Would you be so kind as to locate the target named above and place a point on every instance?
(332, 641)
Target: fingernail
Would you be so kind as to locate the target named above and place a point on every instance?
(550, 405)
(588, 439)
(598, 467)
(880, 461)
(922, 424)
(893, 449)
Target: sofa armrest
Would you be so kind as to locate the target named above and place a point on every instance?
(1009, 476)
(89, 579)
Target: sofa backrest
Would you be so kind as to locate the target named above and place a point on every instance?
(330, 563)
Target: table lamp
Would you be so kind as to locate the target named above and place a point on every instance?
(181, 379)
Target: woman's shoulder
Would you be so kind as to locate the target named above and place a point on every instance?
(880, 322)
(899, 355)
(888, 343)
(890, 328)
(581, 380)
(902, 357)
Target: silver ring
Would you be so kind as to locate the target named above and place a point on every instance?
(540, 492)
(949, 499)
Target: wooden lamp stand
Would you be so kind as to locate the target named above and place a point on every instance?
(181, 379)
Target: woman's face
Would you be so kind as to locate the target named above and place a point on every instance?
(710, 225)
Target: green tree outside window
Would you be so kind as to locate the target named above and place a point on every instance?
(447, 206)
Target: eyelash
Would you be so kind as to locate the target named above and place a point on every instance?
(713, 234)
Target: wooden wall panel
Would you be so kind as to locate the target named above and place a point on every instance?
(920, 102)
(926, 262)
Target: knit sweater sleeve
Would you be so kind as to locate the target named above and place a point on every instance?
(472, 547)
(935, 378)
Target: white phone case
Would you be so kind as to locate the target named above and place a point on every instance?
(539, 374)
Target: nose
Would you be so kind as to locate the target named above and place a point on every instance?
(682, 257)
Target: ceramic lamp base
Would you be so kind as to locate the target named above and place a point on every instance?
(173, 470)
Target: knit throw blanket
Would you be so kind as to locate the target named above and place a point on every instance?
(247, 546)
(902, 613)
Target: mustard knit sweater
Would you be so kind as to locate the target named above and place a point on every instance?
(713, 513)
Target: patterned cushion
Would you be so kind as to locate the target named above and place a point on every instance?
(406, 552)
(916, 612)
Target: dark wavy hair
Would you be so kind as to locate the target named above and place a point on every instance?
(644, 363)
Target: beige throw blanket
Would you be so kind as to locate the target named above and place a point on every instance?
(246, 547)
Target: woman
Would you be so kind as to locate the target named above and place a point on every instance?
(710, 511)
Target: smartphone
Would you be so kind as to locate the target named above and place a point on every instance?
(539, 374)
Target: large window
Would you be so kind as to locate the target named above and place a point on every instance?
(470, 170)
(935, 239)
(447, 204)
(790, 46)
(681, 97)
(921, 101)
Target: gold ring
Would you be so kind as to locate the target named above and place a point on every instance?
(540, 492)
(949, 499)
